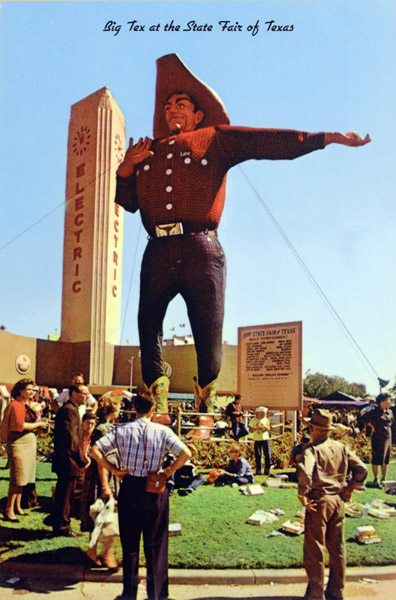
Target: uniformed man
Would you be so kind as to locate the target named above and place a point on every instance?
(322, 489)
(177, 181)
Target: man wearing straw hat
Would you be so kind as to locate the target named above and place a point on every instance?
(177, 181)
(322, 473)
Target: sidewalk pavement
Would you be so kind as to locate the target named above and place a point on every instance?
(65, 582)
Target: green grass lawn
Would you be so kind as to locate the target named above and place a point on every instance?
(214, 530)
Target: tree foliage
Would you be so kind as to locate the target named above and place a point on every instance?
(317, 385)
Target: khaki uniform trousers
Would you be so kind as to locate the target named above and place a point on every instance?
(325, 529)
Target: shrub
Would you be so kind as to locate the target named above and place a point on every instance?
(215, 454)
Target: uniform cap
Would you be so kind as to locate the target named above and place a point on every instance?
(322, 419)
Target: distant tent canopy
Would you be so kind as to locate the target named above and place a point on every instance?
(341, 399)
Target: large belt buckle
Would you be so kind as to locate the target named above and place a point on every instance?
(168, 229)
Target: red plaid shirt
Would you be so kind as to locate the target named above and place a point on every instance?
(184, 181)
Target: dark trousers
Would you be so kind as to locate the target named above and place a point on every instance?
(141, 512)
(239, 430)
(63, 501)
(229, 480)
(195, 267)
(325, 529)
(262, 447)
(191, 483)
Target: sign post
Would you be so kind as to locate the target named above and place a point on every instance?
(270, 365)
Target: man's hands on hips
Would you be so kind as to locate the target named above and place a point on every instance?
(134, 155)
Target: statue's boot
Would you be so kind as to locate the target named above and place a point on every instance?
(208, 396)
(159, 390)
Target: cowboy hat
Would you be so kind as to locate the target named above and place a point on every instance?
(173, 76)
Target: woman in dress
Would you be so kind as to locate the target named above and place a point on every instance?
(97, 485)
(380, 420)
(19, 434)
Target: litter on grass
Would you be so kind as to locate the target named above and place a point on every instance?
(366, 535)
(376, 508)
(389, 486)
(280, 482)
(253, 489)
(301, 512)
(295, 528)
(277, 511)
(175, 529)
(260, 517)
(273, 482)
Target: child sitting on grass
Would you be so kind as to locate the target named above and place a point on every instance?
(238, 469)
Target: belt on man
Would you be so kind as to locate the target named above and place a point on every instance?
(171, 229)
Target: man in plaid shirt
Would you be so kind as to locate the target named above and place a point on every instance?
(177, 181)
(141, 447)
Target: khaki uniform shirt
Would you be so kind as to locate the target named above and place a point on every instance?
(324, 467)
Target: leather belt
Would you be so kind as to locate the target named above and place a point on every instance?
(171, 229)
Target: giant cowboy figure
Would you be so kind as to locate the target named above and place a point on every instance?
(177, 181)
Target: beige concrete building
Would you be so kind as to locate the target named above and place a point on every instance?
(92, 257)
(51, 363)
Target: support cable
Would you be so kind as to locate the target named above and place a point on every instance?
(356, 347)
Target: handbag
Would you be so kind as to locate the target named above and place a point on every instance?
(155, 481)
(4, 431)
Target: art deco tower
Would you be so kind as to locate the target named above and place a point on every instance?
(92, 254)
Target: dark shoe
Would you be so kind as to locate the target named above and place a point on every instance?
(332, 597)
(104, 564)
(7, 518)
(183, 492)
(48, 520)
(92, 564)
(258, 472)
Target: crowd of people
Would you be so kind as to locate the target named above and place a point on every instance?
(97, 458)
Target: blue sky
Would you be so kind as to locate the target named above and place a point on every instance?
(334, 72)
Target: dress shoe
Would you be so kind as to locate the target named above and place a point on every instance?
(7, 518)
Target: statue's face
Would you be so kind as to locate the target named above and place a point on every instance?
(180, 113)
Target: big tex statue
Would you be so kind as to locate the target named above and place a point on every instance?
(177, 181)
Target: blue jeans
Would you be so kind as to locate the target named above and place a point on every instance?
(195, 267)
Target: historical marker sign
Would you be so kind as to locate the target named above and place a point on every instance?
(270, 365)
